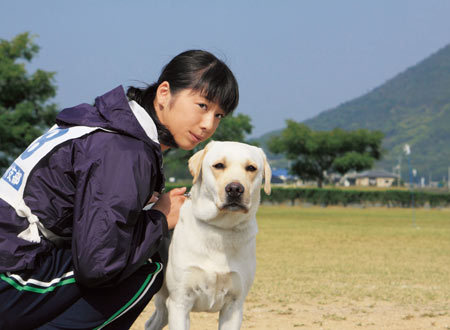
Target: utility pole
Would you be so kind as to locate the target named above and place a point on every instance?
(448, 178)
(407, 151)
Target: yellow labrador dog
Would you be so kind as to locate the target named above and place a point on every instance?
(212, 254)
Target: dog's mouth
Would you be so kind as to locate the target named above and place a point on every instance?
(234, 207)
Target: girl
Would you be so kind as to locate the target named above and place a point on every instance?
(77, 249)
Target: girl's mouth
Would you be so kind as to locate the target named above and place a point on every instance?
(195, 138)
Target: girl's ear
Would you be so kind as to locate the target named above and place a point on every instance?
(162, 97)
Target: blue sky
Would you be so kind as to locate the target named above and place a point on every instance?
(292, 59)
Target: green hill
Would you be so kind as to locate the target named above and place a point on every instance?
(413, 107)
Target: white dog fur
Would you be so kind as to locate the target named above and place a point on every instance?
(212, 257)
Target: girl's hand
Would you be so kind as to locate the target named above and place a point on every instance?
(169, 204)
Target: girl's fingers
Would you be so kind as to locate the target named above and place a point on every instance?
(178, 191)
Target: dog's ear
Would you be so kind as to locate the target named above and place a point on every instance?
(195, 162)
(267, 174)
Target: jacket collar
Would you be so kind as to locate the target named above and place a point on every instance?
(112, 111)
(144, 120)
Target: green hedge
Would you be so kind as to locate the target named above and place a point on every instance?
(345, 197)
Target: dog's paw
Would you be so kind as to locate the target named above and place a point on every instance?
(156, 322)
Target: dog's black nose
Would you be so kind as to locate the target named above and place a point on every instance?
(234, 189)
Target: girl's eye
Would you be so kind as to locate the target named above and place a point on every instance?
(219, 166)
(203, 106)
(220, 116)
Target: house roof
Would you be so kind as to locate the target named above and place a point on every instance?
(374, 174)
(280, 172)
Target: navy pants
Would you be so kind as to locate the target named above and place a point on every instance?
(50, 298)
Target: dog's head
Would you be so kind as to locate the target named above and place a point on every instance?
(228, 178)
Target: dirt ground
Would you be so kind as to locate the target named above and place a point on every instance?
(338, 315)
(344, 268)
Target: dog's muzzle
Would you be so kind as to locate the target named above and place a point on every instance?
(234, 192)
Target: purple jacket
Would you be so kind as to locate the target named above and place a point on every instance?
(92, 189)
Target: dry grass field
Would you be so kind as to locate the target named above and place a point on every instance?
(346, 268)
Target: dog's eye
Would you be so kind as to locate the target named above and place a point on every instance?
(219, 166)
(250, 168)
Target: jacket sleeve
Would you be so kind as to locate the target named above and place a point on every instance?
(112, 235)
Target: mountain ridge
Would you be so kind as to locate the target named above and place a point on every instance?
(411, 108)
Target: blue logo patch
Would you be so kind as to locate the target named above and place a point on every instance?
(14, 176)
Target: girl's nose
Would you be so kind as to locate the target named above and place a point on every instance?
(207, 122)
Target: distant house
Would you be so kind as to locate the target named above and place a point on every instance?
(375, 178)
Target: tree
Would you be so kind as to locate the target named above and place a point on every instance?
(24, 113)
(316, 153)
(231, 128)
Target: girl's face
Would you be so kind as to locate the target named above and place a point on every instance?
(190, 117)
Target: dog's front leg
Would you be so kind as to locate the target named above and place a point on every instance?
(160, 317)
(178, 315)
(230, 317)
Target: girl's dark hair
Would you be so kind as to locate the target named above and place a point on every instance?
(198, 70)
